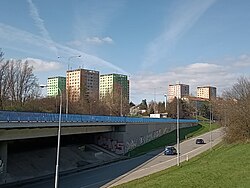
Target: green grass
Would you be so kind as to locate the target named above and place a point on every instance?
(205, 127)
(225, 166)
(201, 118)
(170, 138)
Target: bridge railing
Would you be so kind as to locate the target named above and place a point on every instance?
(11, 116)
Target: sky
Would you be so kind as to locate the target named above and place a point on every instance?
(154, 42)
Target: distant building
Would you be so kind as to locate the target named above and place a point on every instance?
(82, 83)
(135, 111)
(206, 92)
(114, 84)
(178, 91)
(53, 83)
(197, 103)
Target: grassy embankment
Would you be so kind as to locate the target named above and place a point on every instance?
(170, 138)
(225, 166)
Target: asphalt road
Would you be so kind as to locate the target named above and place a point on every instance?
(127, 170)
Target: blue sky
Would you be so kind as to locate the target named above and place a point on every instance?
(155, 42)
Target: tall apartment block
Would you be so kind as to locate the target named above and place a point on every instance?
(177, 90)
(82, 84)
(206, 92)
(54, 84)
(112, 83)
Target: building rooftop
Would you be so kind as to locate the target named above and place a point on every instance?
(114, 74)
(57, 77)
(86, 70)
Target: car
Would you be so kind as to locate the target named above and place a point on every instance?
(170, 150)
(199, 141)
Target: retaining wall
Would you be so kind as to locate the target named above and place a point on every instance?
(126, 138)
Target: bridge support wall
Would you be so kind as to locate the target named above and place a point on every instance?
(131, 136)
(3, 161)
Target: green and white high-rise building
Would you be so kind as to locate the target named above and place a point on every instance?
(53, 83)
(114, 84)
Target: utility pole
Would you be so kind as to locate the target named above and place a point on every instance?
(165, 95)
(210, 124)
(178, 132)
(121, 101)
(154, 102)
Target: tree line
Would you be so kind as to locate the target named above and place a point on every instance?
(187, 108)
(18, 84)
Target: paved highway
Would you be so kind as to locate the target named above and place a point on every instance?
(127, 170)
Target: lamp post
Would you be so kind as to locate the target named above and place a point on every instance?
(210, 124)
(178, 132)
(165, 95)
(121, 102)
(154, 102)
(58, 137)
(196, 110)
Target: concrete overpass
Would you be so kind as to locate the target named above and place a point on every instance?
(26, 130)
(117, 134)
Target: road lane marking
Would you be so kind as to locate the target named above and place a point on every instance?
(99, 182)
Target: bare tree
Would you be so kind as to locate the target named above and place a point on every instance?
(1, 55)
(48, 104)
(3, 80)
(234, 111)
(17, 83)
(151, 107)
(22, 82)
(116, 102)
(3, 84)
(240, 91)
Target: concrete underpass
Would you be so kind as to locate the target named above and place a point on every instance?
(28, 149)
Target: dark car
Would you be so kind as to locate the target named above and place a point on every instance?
(170, 150)
(199, 141)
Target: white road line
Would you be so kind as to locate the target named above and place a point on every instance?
(96, 183)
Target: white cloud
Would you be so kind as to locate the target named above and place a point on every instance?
(98, 40)
(183, 17)
(43, 66)
(202, 68)
(242, 61)
(108, 40)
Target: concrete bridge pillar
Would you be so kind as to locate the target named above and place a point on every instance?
(3, 161)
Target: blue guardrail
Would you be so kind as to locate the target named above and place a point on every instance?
(11, 116)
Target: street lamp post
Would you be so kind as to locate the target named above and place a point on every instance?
(58, 137)
(121, 102)
(178, 132)
(154, 102)
(210, 124)
(165, 95)
(196, 110)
